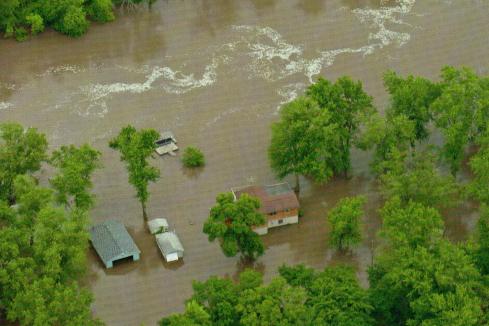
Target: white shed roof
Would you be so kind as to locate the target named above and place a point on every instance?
(169, 243)
(158, 225)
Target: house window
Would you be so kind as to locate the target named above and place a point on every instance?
(273, 213)
(280, 221)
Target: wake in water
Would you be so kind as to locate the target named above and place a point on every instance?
(267, 55)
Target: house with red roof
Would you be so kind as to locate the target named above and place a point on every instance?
(279, 204)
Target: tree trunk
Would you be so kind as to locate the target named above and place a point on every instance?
(297, 184)
(145, 216)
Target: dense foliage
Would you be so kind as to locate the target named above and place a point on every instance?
(43, 245)
(300, 296)
(315, 132)
(345, 223)
(193, 157)
(70, 17)
(417, 277)
(232, 223)
(136, 147)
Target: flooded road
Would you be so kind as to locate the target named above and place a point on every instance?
(215, 73)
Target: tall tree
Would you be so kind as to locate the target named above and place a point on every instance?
(42, 260)
(417, 178)
(304, 142)
(135, 148)
(436, 285)
(479, 164)
(482, 239)
(345, 222)
(389, 137)
(75, 168)
(232, 223)
(336, 298)
(411, 224)
(349, 106)
(461, 112)
(412, 97)
(21, 151)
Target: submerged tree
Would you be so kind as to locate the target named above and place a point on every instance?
(461, 112)
(436, 285)
(73, 181)
(304, 142)
(21, 152)
(411, 224)
(412, 97)
(416, 178)
(345, 222)
(349, 107)
(388, 137)
(136, 147)
(232, 223)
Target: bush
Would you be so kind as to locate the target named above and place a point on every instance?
(36, 22)
(193, 157)
(100, 10)
(74, 22)
(20, 34)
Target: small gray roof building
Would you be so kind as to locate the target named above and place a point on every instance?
(170, 246)
(112, 242)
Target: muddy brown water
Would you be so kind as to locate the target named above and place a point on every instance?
(215, 73)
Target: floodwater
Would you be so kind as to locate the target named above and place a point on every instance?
(215, 73)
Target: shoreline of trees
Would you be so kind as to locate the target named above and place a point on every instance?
(19, 19)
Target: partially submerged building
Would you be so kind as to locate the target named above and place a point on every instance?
(279, 204)
(170, 246)
(167, 144)
(112, 242)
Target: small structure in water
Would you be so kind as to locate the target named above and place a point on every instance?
(167, 144)
(112, 242)
(170, 246)
(168, 242)
(158, 225)
(279, 204)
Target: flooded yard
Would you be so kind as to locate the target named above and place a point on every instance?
(216, 73)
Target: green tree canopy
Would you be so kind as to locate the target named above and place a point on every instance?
(43, 255)
(436, 285)
(461, 112)
(135, 148)
(479, 164)
(75, 168)
(412, 98)
(232, 223)
(417, 178)
(411, 224)
(21, 151)
(388, 137)
(304, 141)
(349, 107)
(482, 239)
(345, 222)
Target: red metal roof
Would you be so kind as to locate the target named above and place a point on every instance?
(272, 201)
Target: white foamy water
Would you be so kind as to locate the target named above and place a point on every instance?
(266, 53)
(63, 69)
(5, 105)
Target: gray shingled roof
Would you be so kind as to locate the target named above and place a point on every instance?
(112, 241)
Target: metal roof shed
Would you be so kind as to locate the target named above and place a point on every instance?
(170, 246)
(112, 242)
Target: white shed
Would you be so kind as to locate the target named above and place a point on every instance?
(158, 225)
(170, 246)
